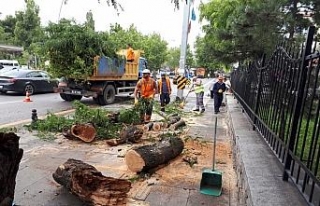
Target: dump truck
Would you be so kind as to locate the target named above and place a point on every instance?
(111, 77)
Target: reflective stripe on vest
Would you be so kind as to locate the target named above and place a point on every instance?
(198, 88)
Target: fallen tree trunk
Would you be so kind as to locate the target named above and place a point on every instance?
(85, 132)
(178, 124)
(148, 126)
(172, 120)
(128, 134)
(157, 126)
(10, 157)
(147, 157)
(86, 182)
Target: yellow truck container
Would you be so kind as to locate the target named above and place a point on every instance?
(111, 77)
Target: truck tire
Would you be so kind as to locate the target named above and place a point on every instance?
(70, 97)
(108, 96)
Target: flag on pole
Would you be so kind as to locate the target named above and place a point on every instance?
(193, 15)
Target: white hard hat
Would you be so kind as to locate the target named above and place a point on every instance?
(146, 71)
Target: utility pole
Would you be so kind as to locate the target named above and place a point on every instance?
(184, 43)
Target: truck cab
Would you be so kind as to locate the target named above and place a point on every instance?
(142, 66)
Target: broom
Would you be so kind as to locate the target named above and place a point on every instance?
(182, 104)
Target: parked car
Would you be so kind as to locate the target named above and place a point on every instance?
(22, 81)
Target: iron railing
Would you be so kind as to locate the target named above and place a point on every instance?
(281, 96)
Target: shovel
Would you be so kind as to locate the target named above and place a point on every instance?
(211, 181)
(183, 103)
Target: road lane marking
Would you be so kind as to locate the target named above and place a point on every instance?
(10, 102)
(26, 121)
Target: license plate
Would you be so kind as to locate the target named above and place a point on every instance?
(75, 92)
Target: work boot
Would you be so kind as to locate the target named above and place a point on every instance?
(195, 110)
(162, 109)
(142, 119)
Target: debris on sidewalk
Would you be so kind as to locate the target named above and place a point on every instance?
(130, 133)
(86, 182)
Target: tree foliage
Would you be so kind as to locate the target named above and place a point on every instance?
(27, 28)
(173, 57)
(241, 30)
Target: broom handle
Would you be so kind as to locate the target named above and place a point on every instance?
(188, 92)
(214, 143)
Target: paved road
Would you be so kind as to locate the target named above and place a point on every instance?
(13, 108)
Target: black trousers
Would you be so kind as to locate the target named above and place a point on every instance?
(211, 94)
(164, 99)
(217, 102)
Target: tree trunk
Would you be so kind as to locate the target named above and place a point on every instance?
(173, 120)
(178, 124)
(157, 126)
(85, 132)
(147, 157)
(86, 182)
(131, 133)
(148, 126)
(10, 157)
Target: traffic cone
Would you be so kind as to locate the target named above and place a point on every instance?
(27, 98)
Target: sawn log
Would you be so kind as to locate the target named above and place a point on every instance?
(85, 132)
(86, 182)
(146, 157)
(178, 124)
(10, 157)
(128, 134)
(172, 120)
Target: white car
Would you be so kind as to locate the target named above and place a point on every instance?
(8, 65)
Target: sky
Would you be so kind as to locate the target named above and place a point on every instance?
(147, 15)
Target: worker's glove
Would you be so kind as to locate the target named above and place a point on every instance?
(136, 101)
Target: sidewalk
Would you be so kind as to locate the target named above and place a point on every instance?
(177, 183)
(259, 172)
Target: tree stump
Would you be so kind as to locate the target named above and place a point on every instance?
(86, 182)
(128, 134)
(146, 157)
(85, 132)
(10, 157)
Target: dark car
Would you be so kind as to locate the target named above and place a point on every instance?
(22, 81)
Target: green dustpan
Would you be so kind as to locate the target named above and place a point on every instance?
(211, 181)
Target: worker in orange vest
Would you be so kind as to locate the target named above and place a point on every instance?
(130, 54)
(144, 94)
(164, 89)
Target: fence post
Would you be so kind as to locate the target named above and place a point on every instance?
(298, 102)
(256, 105)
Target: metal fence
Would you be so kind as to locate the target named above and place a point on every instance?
(281, 95)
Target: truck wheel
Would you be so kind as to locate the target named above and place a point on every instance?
(109, 95)
(65, 97)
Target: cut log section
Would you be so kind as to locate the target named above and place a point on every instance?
(172, 120)
(157, 126)
(85, 132)
(86, 182)
(178, 124)
(147, 157)
(148, 126)
(10, 157)
(128, 134)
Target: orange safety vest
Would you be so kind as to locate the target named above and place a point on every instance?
(147, 87)
(130, 54)
(160, 85)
